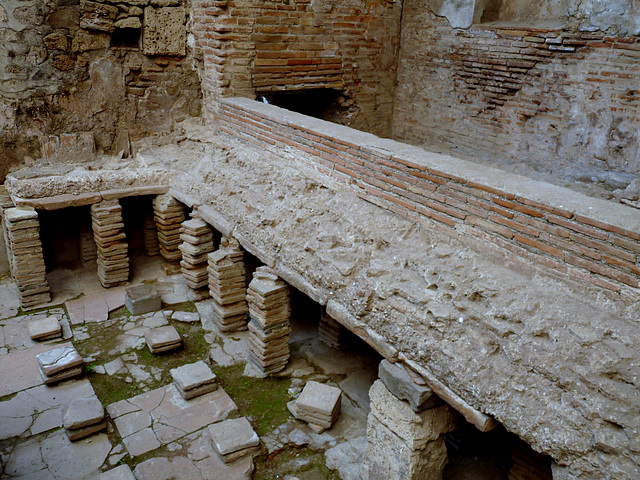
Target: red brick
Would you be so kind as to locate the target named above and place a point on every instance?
(436, 216)
(514, 226)
(625, 243)
(518, 208)
(495, 191)
(492, 227)
(539, 245)
(410, 164)
(603, 270)
(635, 269)
(547, 208)
(594, 279)
(571, 247)
(576, 227)
(604, 247)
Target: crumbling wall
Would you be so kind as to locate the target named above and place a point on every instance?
(252, 48)
(100, 67)
(560, 100)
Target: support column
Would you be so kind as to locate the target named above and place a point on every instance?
(88, 249)
(405, 440)
(330, 331)
(227, 286)
(150, 236)
(111, 245)
(197, 243)
(169, 215)
(270, 312)
(22, 234)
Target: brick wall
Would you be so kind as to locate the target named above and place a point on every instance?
(589, 239)
(559, 101)
(259, 47)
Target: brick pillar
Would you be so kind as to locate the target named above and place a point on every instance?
(88, 249)
(330, 331)
(197, 243)
(111, 245)
(22, 234)
(270, 311)
(227, 286)
(405, 439)
(169, 215)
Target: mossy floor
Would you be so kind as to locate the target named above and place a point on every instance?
(303, 462)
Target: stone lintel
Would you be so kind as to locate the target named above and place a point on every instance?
(253, 250)
(340, 314)
(184, 198)
(134, 191)
(294, 278)
(216, 220)
(57, 202)
(481, 421)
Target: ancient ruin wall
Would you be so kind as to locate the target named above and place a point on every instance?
(99, 67)
(252, 48)
(589, 239)
(562, 100)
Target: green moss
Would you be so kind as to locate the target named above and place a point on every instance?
(121, 312)
(22, 312)
(262, 399)
(184, 307)
(8, 397)
(303, 462)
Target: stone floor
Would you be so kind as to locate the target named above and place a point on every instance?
(151, 429)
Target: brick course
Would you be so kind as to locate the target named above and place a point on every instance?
(433, 189)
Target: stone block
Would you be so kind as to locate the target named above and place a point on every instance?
(399, 382)
(388, 457)
(121, 472)
(163, 339)
(164, 31)
(85, 41)
(233, 435)
(45, 328)
(83, 412)
(98, 16)
(142, 299)
(194, 379)
(319, 404)
(59, 360)
(415, 429)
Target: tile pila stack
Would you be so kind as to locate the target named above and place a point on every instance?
(88, 249)
(108, 231)
(270, 311)
(150, 236)
(169, 215)
(330, 332)
(22, 232)
(197, 243)
(227, 286)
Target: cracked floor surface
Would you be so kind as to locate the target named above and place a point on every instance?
(151, 429)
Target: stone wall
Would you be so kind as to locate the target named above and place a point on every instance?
(253, 48)
(559, 100)
(99, 67)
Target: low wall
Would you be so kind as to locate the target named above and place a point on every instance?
(584, 237)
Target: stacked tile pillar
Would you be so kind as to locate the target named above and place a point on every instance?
(197, 243)
(270, 311)
(169, 215)
(330, 331)
(150, 236)
(22, 234)
(405, 433)
(111, 245)
(88, 249)
(227, 286)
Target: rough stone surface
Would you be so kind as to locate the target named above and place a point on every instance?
(121, 472)
(164, 32)
(45, 328)
(193, 375)
(58, 360)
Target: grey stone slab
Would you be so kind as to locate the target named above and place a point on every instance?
(196, 392)
(141, 442)
(61, 376)
(48, 327)
(318, 398)
(76, 460)
(187, 317)
(193, 375)
(83, 412)
(121, 472)
(58, 360)
(233, 435)
(162, 336)
(400, 383)
(142, 299)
